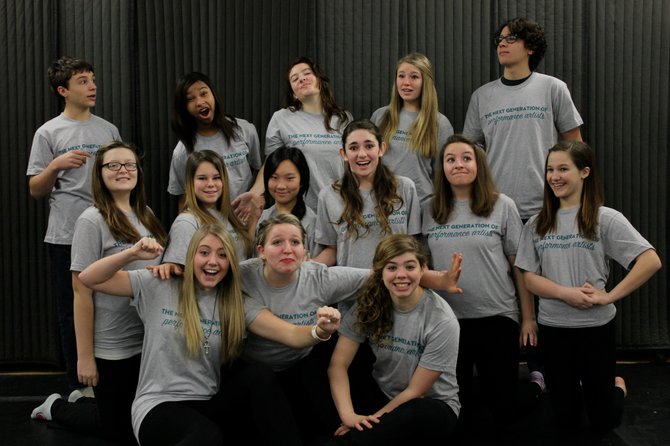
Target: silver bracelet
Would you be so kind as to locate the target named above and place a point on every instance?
(316, 336)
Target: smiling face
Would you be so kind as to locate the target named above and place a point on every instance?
(210, 264)
(409, 82)
(200, 103)
(362, 152)
(460, 165)
(284, 184)
(207, 184)
(303, 81)
(122, 180)
(401, 276)
(283, 251)
(565, 178)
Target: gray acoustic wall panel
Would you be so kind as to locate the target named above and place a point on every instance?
(613, 54)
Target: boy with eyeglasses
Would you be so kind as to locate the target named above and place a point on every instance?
(521, 115)
(517, 118)
(59, 166)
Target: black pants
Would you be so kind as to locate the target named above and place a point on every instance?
(250, 403)
(491, 344)
(580, 369)
(62, 288)
(307, 388)
(418, 421)
(115, 393)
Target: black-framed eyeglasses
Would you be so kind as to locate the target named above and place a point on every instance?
(115, 167)
(511, 38)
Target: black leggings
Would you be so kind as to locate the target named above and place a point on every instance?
(580, 368)
(108, 415)
(250, 402)
(491, 344)
(418, 421)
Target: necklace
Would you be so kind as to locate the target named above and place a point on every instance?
(205, 343)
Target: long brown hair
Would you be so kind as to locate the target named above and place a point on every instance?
(330, 108)
(117, 222)
(592, 193)
(375, 307)
(483, 196)
(384, 188)
(193, 205)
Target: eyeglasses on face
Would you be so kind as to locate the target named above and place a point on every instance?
(511, 38)
(115, 167)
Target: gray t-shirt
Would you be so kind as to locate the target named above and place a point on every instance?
(242, 157)
(315, 286)
(117, 330)
(182, 230)
(72, 191)
(358, 252)
(519, 124)
(308, 222)
(426, 336)
(486, 242)
(306, 132)
(167, 371)
(568, 259)
(406, 162)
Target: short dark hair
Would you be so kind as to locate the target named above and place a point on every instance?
(532, 35)
(61, 70)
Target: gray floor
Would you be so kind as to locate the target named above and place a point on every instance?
(646, 420)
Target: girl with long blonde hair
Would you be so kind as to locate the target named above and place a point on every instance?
(192, 388)
(413, 128)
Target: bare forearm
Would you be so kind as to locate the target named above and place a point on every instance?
(258, 187)
(328, 256)
(645, 267)
(541, 286)
(42, 184)
(105, 268)
(340, 390)
(84, 315)
(526, 298)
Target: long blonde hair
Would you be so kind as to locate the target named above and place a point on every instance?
(424, 129)
(229, 294)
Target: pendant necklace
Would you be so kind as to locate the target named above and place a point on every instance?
(205, 343)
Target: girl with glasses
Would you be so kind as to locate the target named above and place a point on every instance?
(109, 331)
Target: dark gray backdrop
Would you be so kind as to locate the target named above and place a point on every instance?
(614, 55)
